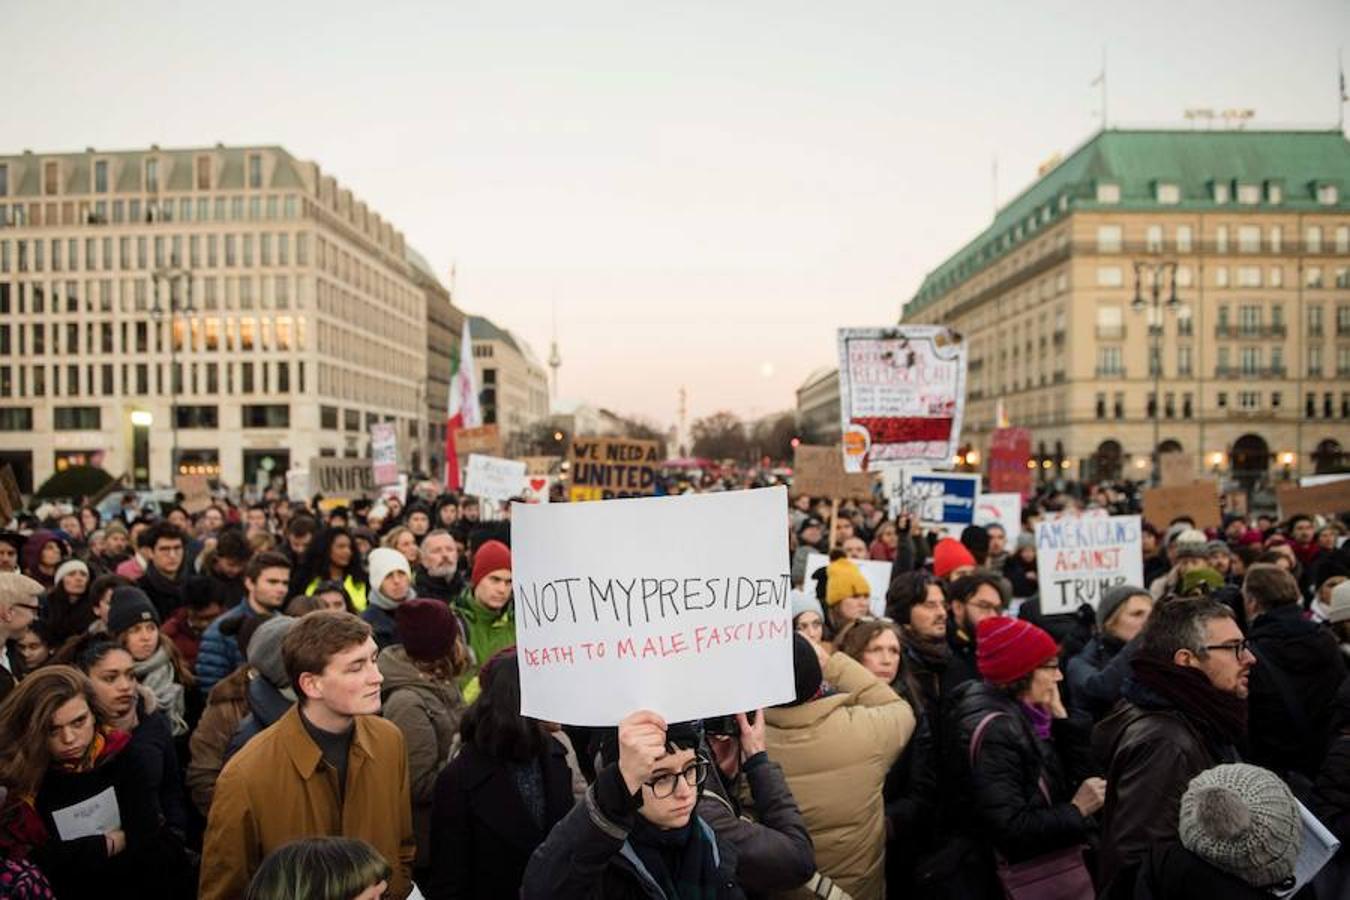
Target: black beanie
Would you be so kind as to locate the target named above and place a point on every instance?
(805, 670)
(130, 606)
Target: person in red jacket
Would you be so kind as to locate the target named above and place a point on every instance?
(204, 604)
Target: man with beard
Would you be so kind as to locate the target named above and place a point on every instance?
(164, 577)
(973, 599)
(918, 602)
(438, 572)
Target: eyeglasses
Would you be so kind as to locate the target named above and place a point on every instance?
(1238, 647)
(985, 606)
(1051, 663)
(693, 774)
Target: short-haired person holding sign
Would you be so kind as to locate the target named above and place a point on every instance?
(636, 834)
(329, 766)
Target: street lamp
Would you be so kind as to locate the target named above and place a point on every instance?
(172, 276)
(1158, 271)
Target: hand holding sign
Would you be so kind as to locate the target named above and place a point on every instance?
(642, 741)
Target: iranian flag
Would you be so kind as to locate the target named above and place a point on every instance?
(463, 411)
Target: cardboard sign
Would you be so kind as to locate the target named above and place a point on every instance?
(341, 478)
(493, 478)
(604, 468)
(1176, 468)
(11, 501)
(819, 472)
(1235, 503)
(536, 488)
(541, 465)
(485, 439)
(1001, 509)
(1080, 558)
(644, 604)
(1199, 500)
(384, 453)
(196, 491)
(876, 571)
(1009, 450)
(1327, 499)
(905, 387)
(937, 498)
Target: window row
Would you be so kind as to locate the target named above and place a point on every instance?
(151, 379)
(1228, 239)
(131, 295)
(130, 252)
(206, 334)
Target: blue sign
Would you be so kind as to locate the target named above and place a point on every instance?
(947, 499)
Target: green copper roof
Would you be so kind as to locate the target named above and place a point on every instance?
(1137, 162)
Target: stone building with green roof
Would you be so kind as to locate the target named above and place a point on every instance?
(1244, 361)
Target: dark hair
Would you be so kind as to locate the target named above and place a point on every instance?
(493, 724)
(258, 507)
(315, 638)
(301, 525)
(43, 631)
(106, 583)
(315, 562)
(908, 589)
(86, 651)
(327, 585)
(976, 540)
(964, 588)
(1269, 586)
(232, 545)
(1179, 625)
(319, 868)
(853, 639)
(1269, 557)
(1296, 518)
(268, 559)
(162, 531)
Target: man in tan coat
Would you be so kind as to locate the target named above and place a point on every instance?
(330, 766)
(835, 744)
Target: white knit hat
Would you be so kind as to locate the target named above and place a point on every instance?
(1244, 820)
(384, 560)
(1340, 602)
(70, 565)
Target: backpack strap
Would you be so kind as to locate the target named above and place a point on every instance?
(977, 739)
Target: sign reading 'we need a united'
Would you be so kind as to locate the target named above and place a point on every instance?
(643, 603)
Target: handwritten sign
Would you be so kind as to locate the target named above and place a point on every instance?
(384, 452)
(937, 498)
(341, 478)
(297, 484)
(196, 491)
(1001, 509)
(1328, 498)
(89, 818)
(605, 468)
(493, 478)
(905, 387)
(877, 573)
(1198, 500)
(644, 604)
(1080, 558)
(1009, 450)
(485, 439)
(819, 472)
(536, 488)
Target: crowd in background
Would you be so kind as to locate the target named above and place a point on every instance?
(300, 699)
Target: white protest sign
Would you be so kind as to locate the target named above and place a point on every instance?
(398, 489)
(494, 478)
(1080, 558)
(536, 488)
(643, 603)
(96, 816)
(1001, 509)
(876, 571)
(384, 452)
(297, 484)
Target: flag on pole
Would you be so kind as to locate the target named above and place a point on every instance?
(1001, 419)
(463, 410)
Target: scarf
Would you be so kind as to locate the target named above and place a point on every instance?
(107, 743)
(1220, 716)
(679, 860)
(380, 601)
(162, 583)
(1039, 719)
(157, 674)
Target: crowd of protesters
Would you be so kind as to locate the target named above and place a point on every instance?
(286, 700)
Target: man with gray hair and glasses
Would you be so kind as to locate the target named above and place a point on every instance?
(1183, 710)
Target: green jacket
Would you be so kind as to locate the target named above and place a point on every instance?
(488, 631)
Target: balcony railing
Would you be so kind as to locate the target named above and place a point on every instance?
(1258, 372)
(1111, 332)
(1108, 372)
(1249, 331)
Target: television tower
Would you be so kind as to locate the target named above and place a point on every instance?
(554, 357)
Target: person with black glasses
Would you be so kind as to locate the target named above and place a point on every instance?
(636, 833)
(19, 607)
(1183, 710)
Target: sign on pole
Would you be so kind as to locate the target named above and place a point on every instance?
(1080, 558)
(936, 498)
(905, 389)
(1176, 468)
(819, 472)
(1001, 509)
(603, 468)
(341, 478)
(384, 453)
(485, 439)
(644, 604)
(493, 478)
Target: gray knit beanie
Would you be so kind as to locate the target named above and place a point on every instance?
(1242, 819)
(264, 653)
(1192, 544)
(1113, 599)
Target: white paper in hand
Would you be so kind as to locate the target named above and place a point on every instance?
(1318, 847)
(97, 815)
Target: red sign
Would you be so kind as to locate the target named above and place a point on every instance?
(1009, 450)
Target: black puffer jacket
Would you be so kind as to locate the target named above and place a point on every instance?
(1001, 803)
(911, 795)
(1293, 690)
(1330, 797)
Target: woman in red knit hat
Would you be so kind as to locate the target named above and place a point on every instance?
(1019, 774)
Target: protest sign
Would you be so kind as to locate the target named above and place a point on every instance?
(399, 489)
(937, 498)
(384, 452)
(341, 478)
(645, 604)
(1078, 559)
(536, 488)
(1176, 468)
(93, 817)
(1235, 503)
(1009, 450)
(1198, 500)
(1314, 480)
(541, 465)
(493, 478)
(819, 472)
(297, 484)
(1327, 499)
(604, 468)
(11, 501)
(1001, 509)
(196, 491)
(877, 573)
(905, 387)
(485, 439)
